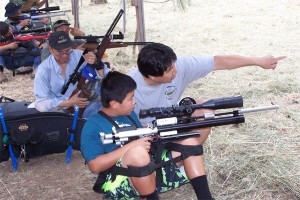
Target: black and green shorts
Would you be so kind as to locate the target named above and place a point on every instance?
(121, 187)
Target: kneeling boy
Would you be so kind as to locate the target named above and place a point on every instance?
(117, 111)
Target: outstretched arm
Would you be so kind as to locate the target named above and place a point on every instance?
(234, 61)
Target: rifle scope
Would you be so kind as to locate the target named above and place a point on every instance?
(45, 28)
(47, 9)
(187, 110)
(93, 39)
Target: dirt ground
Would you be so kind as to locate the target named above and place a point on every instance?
(256, 160)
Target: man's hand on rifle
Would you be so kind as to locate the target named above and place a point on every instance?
(79, 101)
(90, 58)
(75, 100)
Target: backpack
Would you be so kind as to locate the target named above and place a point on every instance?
(31, 133)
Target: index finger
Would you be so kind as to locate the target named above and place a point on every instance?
(148, 138)
(280, 58)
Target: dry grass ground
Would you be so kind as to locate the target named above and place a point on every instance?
(255, 160)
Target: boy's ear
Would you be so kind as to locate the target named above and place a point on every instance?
(152, 78)
(51, 50)
(113, 104)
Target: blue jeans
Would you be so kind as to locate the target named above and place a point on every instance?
(20, 57)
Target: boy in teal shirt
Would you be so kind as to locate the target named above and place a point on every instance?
(117, 112)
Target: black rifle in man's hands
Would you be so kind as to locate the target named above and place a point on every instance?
(82, 82)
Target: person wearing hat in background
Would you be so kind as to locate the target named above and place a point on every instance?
(16, 54)
(64, 25)
(23, 21)
(54, 72)
(13, 13)
(29, 4)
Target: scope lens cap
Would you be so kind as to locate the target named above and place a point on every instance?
(187, 101)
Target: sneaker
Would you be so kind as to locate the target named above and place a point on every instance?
(3, 77)
(23, 70)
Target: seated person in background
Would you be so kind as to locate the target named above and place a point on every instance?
(21, 20)
(13, 12)
(54, 72)
(15, 54)
(117, 112)
(64, 25)
(29, 4)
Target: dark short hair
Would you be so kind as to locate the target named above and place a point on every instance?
(115, 86)
(154, 59)
(4, 27)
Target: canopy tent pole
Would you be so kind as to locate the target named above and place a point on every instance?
(140, 35)
(75, 13)
(124, 16)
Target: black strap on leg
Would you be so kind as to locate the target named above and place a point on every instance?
(131, 171)
(185, 150)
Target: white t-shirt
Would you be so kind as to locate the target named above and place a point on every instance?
(188, 69)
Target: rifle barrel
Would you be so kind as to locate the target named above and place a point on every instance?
(47, 9)
(119, 36)
(257, 109)
(45, 28)
(55, 14)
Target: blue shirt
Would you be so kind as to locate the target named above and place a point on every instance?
(48, 84)
(91, 145)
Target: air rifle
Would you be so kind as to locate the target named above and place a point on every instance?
(93, 41)
(75, 76)
(45, 28)
(175, 123)
(38, 14)
(24, 37)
